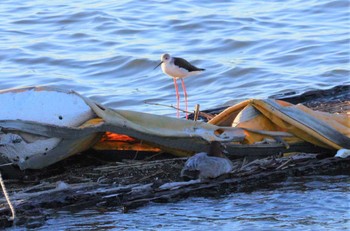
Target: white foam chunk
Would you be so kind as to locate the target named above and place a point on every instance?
(19, 151)
(44, 106)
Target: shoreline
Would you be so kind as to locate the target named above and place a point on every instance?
(104, 180)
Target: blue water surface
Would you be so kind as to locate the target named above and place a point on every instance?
(107, 49)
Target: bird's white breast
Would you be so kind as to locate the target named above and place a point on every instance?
(177, 72)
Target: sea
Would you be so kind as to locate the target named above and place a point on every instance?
(107, 50)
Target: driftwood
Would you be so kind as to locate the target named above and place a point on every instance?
(251, 177)
(33, 203)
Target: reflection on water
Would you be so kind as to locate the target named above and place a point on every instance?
(107, 49)
(302, 203)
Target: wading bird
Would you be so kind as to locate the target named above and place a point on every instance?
(178, 68)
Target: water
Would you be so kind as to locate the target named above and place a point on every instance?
(251, 49)
(302, 203)
(107, 49)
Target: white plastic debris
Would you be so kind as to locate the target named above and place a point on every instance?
(343, 153)
(18, 151)
(176, 185)
(44, 106)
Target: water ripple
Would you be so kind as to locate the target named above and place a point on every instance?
(107, 49)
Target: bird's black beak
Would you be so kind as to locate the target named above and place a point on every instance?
(158, 65)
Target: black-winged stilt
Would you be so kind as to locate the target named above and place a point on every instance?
(178, 68)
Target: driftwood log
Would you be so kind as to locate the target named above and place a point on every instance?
(34, 201)
(98, 180)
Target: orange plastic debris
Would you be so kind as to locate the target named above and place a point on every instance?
(113, 141)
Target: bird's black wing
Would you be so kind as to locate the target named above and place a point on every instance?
(180, 62)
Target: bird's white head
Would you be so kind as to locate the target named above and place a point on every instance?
(165, 58)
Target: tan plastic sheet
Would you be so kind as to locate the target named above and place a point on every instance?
(30, 144)
(319, 128)
(243, 124)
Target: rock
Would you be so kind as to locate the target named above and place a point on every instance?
(202, 166)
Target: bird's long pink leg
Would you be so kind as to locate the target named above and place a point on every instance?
(177, 98)
(185, 94)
